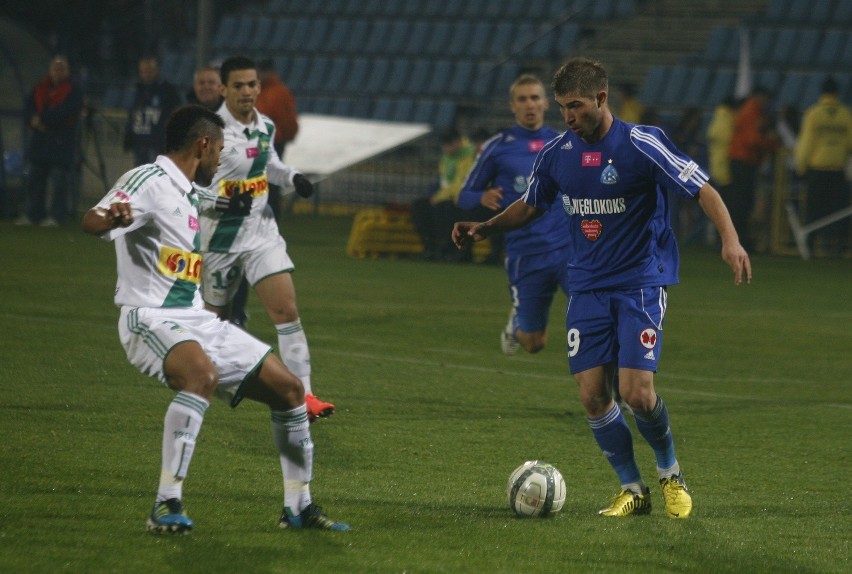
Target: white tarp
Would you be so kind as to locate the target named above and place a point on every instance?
(327, 144)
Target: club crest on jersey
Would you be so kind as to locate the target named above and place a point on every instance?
(252, 152)
(591, 228)
(648, 338)
(535, 145)
(520, 184)
(591, 158)
(609, 176)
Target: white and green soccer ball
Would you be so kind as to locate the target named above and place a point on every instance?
(536, 488)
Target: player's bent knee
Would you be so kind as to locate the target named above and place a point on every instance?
(276, 386)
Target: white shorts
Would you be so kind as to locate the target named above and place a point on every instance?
(222, 272)
(149, 334)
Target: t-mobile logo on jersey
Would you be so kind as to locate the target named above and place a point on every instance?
(535, 145)
(591, 158)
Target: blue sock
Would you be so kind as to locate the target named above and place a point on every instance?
(654, 426)
(616, 442)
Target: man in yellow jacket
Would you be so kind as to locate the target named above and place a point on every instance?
(823, 149)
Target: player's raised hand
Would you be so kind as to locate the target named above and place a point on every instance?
(120, 214)
(465, 232)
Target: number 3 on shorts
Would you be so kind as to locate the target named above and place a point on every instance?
(573, 342)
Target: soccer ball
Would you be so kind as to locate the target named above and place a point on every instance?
(536, 488)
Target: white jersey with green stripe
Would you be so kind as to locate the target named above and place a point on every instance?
(158, 255)
(248, 163)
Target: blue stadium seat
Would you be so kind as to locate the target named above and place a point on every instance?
(307, 35)
(787, 42)
(361, 107)
(316, 75)
(397, 78)
(358, 32)
(479, 39)
(805, 53)
(357, 78)
(462, 79)
(474, 9)
(398, 37)
(404, 110)
(482, 82)
(225, 32)
(624, 8)
(655, 82)
(297, 72)
(411, 8)
(721, 87)
(798, 12)
(495, 9)
(769, 79)
(791, 89)
(341, 107)
(262, 35)
(459, 40)
(500, 43)
(777, 10)
(542, 42)
(567, 36)
(845, 60)
(696, 87)
(763, 41)
(418, 40)
(421, 74)
(439, 35)
(378, 75)
(602, 10)
(322, 105)
(445, 114)
(717, 44)
(833, 43)
(337, 36)
(282, 28)
(812, 86)
(507, 73)
(378, 37)
(842, 13)
(439, 81)
(424, 110)
(675, 86)
(243, 34)
(335, 77)
(383, 109)
(821, 12)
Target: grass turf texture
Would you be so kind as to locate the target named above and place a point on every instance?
(431, 420)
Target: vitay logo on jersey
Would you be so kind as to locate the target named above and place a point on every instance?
(180, 264)
(256, 185)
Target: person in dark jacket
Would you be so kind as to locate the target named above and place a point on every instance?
(146, 119)
(52, 116)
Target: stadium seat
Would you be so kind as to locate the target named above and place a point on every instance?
(769, 79)
(404, 110)
(243, 34)
(297, 71)
(338, 35)
(226, 30)
(845, 61)
(721, 87)
(804, 53)
(419, 39)
(482, 82)
(787, 42)
(500, 43)
(358, 32)
(566, 38)
(445, 114)
(811, 88)
(696, 87)
(821, 13)
(377, 76)
(418, 80)
(322, 105)
(831, 48)
(462, 79)
(675, 86)
(717, 44)
(439, 81)
(763, 42)
(602, 10)
(423, 111)
(282, 28)
(411, 8)
(791, 89)
(336, 75)
(398, 37)
(378, 37)
(314, 80)
(383, 109)
(341, 107)
(507, 73)
(357, 78)
(457, 45)
(439, 37)
(776, 11)
(479, 39)
(652, 87)
(397, 77)
(624, 8)
(842, 13)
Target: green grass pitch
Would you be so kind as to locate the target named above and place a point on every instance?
(431, 420)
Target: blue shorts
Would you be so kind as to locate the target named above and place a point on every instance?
(533, 280)
(622, 326)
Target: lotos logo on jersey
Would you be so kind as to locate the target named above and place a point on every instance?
(648, 338)
(180, 264)
(591, 229)
(256, 185)
(591, 158)
(535, 145)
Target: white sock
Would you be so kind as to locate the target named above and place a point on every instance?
(180, 430)
(292, 437)
(673, 470)
(293, 346)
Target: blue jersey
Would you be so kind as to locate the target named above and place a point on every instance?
(506, 161)
(614, 192)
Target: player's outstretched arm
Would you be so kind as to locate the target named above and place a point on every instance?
(99, 220)
(515, 216)
(733, 252)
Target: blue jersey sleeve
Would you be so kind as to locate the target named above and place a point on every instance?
(481, 175)
(543, 189)
(674, 170)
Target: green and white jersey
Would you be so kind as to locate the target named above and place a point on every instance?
(158, 255)
(248, 163)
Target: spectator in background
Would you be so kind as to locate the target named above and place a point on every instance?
(52, 116)
(278, 103)
(822, 153)
(206, 88)
(753, 139)
(146, 119)
(630, 109)
(720, 131)
(688, 136)
(435, 215)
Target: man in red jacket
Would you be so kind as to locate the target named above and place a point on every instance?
(52, 116)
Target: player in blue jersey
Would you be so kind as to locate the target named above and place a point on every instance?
(611, 179)
(535, 255)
